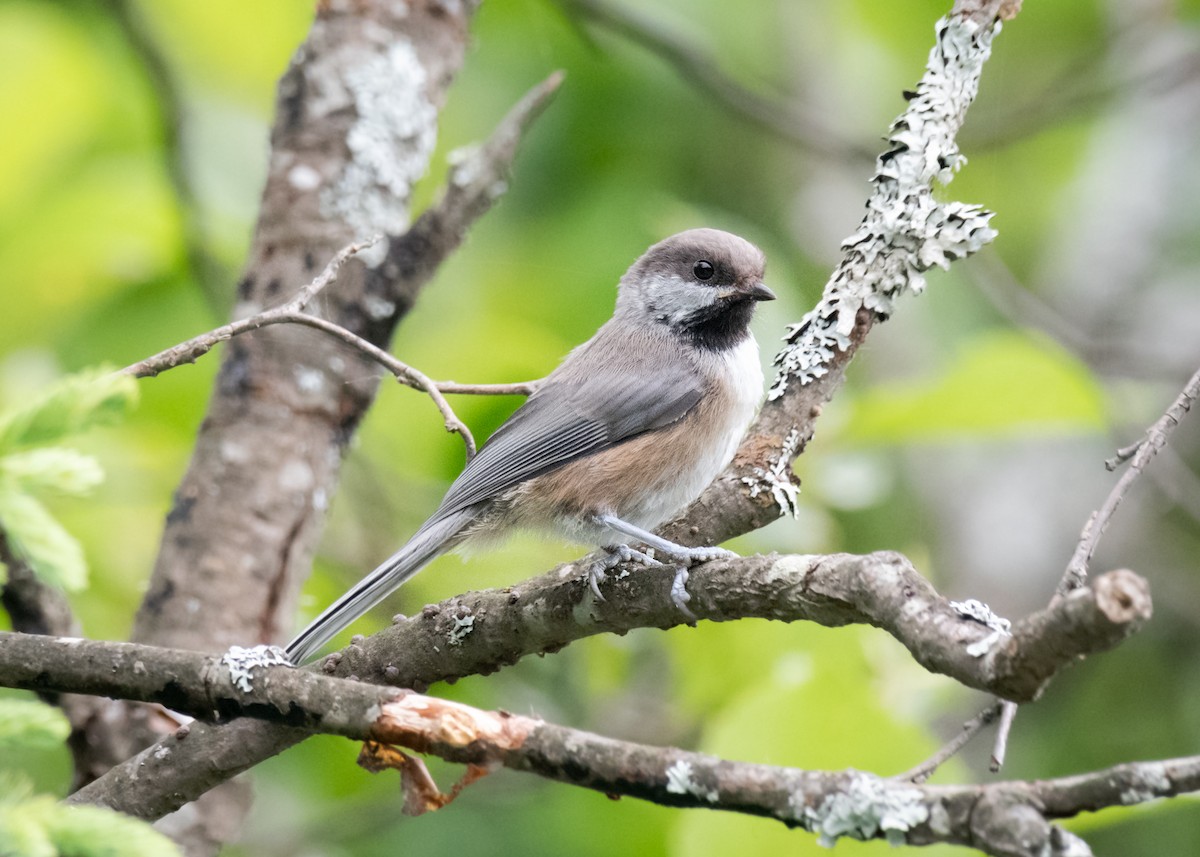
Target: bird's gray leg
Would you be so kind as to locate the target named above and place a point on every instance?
(617, 554)
(685, 556)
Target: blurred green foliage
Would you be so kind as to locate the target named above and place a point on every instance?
(33, 825)
(99, 248)
(30, 465)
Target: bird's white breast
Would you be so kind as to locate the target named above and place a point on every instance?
(707, 439)
(743, 375)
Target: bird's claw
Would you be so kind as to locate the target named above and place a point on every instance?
(691, 556)
(617, 554)
(679, 594)
(597, 573)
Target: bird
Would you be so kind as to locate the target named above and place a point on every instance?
(623, 434)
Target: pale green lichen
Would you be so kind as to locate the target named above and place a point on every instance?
(681, 781)
(866, 808)
(463, 626)
(390, 144)
(242, 663)
(776, 478)
(905, 231)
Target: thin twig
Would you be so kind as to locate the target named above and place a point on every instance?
(1155, 439)
(403, 373)
(970, 729)
(292, 312)
(1008, 712)
(198, 346)
(520, 388)
(1123, 454)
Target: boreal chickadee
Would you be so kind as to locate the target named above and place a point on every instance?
(629, 429)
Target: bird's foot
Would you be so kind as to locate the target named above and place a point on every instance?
(681, 557)
(679, 594)
(617, 554)
(692, 556)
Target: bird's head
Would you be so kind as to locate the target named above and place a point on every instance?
(701, 284)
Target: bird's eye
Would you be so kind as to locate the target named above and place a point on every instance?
(703, 270)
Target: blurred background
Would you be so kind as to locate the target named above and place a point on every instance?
(971, 434)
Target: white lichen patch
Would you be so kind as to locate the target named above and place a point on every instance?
(776, 478)
(905, 231)
(304, 177)
(463, 626)
(1151, 782)
(378, 308)
(680, 781)
(867, 807)
(309, 380)
(466, 163)
(390, 144)
(242, 662)
(977, 611)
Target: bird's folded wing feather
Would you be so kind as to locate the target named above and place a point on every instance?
(575, 414)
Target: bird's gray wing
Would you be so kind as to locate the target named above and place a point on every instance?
(577, 413)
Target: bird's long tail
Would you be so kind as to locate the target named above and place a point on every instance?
(435, 537)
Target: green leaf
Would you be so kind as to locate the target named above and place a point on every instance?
(92, 831)
(51, 468)
(78, 402)
(15, 786)
(31, 724)
(23, 828)
(34, 536)
(1003, 384)
(41, 827)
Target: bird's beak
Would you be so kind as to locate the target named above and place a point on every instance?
(756, 292)
(759, 292)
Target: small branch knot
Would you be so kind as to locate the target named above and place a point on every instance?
(1123, 597)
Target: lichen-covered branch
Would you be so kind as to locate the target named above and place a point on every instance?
(355, 126)
(1000, 818)
(293, 312)
(903, 234)
(480, 632)
(203, 686)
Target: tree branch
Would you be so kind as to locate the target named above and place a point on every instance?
(969, 730)
(831, 804)
(293, 312)
(476, 180)
(480, 632)
(903, 234)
